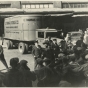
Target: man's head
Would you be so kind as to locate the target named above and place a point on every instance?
(36, 43)
(14, 62)
(46, 43)
(39, 61)
(23, 63)
(77, 50)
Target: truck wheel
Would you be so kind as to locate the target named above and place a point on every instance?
(22, 48)
(9, 44)
(27, 48)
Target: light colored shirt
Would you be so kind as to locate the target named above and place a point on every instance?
(85, 39)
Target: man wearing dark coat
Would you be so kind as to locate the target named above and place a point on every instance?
(48, 51)
(55, 48)
(44, 73)
(36, 52)
(27, 75)
(13, 78)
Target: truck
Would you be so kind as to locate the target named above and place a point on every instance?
(22, 30)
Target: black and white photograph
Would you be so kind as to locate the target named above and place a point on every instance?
(44, 43)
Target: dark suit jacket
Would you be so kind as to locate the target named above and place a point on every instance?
(37, 51)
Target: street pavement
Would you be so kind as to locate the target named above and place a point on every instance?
(15, 53)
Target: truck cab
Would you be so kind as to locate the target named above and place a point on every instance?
(42, 34)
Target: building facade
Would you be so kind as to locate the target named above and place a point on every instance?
(66, 23)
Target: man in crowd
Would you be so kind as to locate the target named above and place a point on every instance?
(48, 51)
(44, 73)
(63, 47)
(13, 78)
(55, 48)
(27, 75)
(86, 38)
(49, 40)
(36, 51)
(80, 41)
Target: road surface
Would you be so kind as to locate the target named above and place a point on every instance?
(15, 53)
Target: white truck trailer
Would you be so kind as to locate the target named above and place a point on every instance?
(20, 31)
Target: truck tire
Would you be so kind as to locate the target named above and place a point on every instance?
(27, 48)
(9, 44)
(22, 48)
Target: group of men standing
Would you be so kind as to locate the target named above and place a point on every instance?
(50, 50)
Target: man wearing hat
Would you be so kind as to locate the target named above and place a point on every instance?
(36, 51)
(55, 48)
(27, 75)
(48, 52)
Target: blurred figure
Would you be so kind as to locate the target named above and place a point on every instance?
(49, 40)
(55, 48)
(27, 75)
(86, 38)
(13, 78)
(44, 74)
(62, 35)
(2, 58)
(63, 47)
(48, 51)
(80, 41)
(40, 63)
(68, 38)
(64, 83)
(36, 51)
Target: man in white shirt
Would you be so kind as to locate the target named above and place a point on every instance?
(86, 38)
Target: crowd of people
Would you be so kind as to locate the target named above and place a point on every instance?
(55, 65)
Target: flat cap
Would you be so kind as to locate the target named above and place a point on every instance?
(14, 61)
(23, 62)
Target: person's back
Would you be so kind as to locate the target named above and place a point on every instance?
(13, 78)
(27, 75)
(44, 75)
